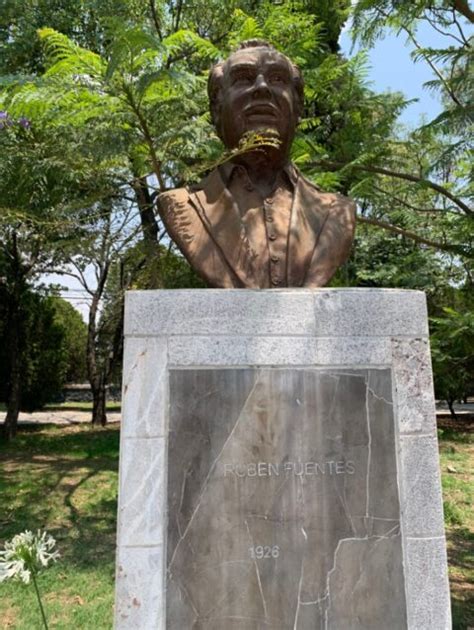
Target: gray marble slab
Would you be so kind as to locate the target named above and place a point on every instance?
(283, 505)
(272, 380)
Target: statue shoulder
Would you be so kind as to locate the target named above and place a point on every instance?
(340, 207)
(175, 198)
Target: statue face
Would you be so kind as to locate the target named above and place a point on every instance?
(257, 93)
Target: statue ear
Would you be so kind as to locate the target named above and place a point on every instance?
(216, 119)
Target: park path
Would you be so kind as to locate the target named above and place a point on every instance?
(60, 417)
(67, 417)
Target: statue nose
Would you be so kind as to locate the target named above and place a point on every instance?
(261, 86)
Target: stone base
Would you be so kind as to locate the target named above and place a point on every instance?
(279, 463)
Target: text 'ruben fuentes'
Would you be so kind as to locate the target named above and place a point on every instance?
(289, 469)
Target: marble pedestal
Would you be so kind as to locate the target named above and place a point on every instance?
(278, 465)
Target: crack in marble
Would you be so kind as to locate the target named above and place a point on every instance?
(298, 603)
(369, 448)
(178, 511)
(189, 599)
(371, 391)
(257, 571)
(362, 570)
(343, 500)
(276, 493)
(334, 394)
(129, 376)
(213, 466)
(327, 596)
(139, 489)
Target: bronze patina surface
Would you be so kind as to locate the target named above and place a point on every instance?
(256, 222)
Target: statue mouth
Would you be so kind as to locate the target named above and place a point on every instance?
(261, 112)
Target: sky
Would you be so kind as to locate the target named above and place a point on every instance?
(390, 68)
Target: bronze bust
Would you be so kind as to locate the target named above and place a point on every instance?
(255, 221)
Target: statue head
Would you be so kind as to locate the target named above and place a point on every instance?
(255, 88)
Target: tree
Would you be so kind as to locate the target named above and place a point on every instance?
(430, 164)
(44, 350)
(117, 111)
(75, 339)
(46, 188)
(83, 20)
(452, 347)
(111, 232)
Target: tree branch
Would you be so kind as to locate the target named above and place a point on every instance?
(146, 136)
(156, 21)
(336, 166)
(432, 65)
(445, 33)
(402, 202)
(462, 7)
(435, 69)
(453, 249)
(179, 8)
(458, 26)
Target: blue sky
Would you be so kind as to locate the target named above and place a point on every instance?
(392, 68)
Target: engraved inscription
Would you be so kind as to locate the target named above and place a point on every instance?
(297, 469)
(283, 508)
(261, 552)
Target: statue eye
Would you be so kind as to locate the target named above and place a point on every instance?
(277, 77)
(243, 78)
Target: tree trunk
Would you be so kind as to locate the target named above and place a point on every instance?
(450, 402)
(145, 208)
(14, 357)
(99, 416)
(151, 249)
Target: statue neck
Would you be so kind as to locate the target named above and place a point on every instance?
(262, 168)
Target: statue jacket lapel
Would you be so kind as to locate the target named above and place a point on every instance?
(312, 213)
(221, 218)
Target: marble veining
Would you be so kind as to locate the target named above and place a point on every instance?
(283, 506)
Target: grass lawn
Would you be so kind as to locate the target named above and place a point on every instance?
(457, 466)
(64, 479)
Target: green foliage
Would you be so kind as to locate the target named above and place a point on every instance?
(117, 111)
(74, 339)
(452, 348)
(86, 21)
(44, 350)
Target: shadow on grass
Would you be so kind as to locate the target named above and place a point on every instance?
(73, 440)
(455, 435)
(461, 562)
(63, 479)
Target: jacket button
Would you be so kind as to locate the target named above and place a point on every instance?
(272, 237)
(275, 259)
